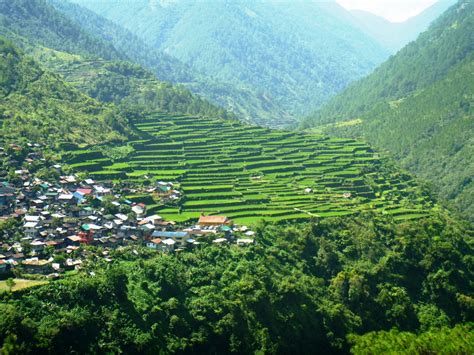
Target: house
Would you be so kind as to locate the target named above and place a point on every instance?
(17, 257)
(30, 218)
(7, 197)
(121, 216)
(220, 241)
(74, 240)
(66, 198)
(169, 244)
(214, 221)
(177, 237)
(156, 244)
(56, 244)
(72, 264)
(139, 209)
(37, 246)
(30, 229)
(37, 266)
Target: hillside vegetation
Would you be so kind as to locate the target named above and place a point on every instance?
(37, 105)
(299, 288)
(34, 22)
(243, 100)
(66, 49)
(419, 106)
(296, 54)
(127, 85)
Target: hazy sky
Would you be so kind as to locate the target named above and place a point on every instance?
(393, 10)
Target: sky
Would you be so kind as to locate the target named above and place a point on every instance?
(392, 10)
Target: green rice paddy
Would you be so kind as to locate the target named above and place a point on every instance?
(250, 173)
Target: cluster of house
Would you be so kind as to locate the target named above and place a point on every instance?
(60, 218)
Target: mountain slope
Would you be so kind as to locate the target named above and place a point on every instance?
(296, 54)
(39, 22)
(125, 84)
(394, 36)
(419, 106)
(39, 106)
(244, 101)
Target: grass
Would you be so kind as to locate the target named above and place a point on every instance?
(21, 284)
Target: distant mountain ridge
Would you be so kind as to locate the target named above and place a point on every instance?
(295, 55)
(395, 35)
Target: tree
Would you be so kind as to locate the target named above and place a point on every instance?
(10, 284)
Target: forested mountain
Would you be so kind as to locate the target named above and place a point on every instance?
(244, 101)
(395, 35)
(419, 106)
(34, 22)
(296, 54)
(37, 105)
(92, 64)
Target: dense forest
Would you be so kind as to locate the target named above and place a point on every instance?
(419, 106)
(299, 288)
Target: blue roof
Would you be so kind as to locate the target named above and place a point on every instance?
(158, 234)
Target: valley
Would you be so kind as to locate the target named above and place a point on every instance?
(222, 177)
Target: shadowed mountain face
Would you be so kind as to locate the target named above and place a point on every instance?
(294, 55)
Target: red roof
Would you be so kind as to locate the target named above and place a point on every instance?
(156, 241)
(213, 220)
(84, 191)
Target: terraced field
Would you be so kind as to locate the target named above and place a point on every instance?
(250, 173)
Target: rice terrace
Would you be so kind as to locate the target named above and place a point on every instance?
(250, 173)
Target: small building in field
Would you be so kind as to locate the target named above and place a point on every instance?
(214, 221)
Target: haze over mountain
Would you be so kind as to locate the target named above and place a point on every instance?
(419, 106)
(395, 35)
(293, 54)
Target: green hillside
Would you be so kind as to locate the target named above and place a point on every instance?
(249, 173)
(419, 106)
(35, 22)
(243, 100)
(127, 85)
(66, 49)
(296, 54)
(37, 105)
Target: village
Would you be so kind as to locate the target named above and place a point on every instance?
(48, 225)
